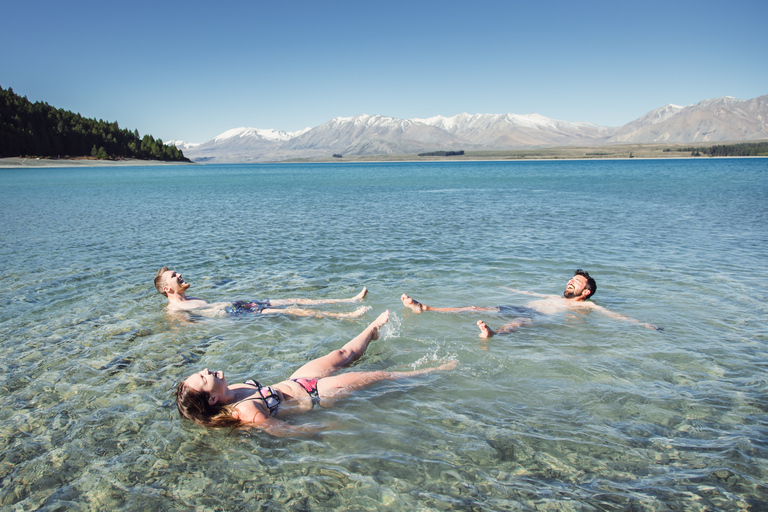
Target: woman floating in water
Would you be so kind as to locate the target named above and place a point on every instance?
(205, 397)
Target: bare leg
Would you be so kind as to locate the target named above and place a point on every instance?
(332, 388)
(418, 307)
(487, 332)
(311, 302)
(309, 312)
(346, 355)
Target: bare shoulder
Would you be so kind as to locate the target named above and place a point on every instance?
(248, 411)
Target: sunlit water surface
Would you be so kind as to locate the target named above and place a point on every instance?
(576, 412)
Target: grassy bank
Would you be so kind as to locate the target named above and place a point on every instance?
(556, 153)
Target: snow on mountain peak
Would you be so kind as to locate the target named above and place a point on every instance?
(364, 121)
(535, 121)
(265, 134)
(659, 115)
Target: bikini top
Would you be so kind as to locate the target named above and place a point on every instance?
(266, 394)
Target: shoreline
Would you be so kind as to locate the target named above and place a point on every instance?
(617, 152)
(37, 163)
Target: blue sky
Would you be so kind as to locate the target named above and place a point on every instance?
(192, 70)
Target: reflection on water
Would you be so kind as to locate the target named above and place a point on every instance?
(577, 412)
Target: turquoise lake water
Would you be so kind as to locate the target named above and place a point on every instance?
(575, 412)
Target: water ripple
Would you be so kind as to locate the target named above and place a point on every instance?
(576, 412)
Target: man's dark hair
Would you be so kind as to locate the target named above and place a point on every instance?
(159, 283)
(591, 284)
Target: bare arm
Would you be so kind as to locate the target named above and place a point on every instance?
(619, 316)
(280, 428)
(272, 426)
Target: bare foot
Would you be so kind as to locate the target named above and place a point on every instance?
(416, 307)
(378, 323)
(485, 331)
(362, 294)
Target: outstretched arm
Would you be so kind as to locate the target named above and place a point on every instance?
(278, 428)
(619, 316)
(254, 417)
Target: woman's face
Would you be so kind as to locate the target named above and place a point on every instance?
(213, 383)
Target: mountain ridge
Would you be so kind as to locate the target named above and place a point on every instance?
(713, 120)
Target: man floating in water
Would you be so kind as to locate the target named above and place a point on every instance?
(580, 288)
(174, 287)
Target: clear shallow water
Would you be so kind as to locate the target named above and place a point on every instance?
(573, 413)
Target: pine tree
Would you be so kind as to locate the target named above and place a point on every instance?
(37, 129)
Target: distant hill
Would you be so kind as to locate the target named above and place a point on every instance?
(717, 120)
(39, 130)
(238, 144)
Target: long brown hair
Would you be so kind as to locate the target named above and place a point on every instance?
(194, 405)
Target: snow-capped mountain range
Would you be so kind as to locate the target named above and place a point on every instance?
(716, 120)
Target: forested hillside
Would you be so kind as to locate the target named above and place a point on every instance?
(36, 129)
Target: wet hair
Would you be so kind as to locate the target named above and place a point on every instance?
(591, 284)
(194, 405)
(159, 281)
